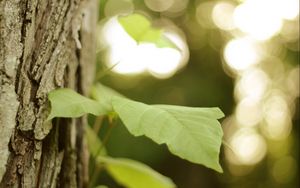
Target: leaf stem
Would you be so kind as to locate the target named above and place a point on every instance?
(97, 168)
(100, 74)
(107, 135)
(98, 124)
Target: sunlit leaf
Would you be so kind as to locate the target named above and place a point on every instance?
(151, 35)
(67, 103)
(135, 25)
(164, 42)
(140, 29)
(193, 134)
(133, 174)
(95, 145)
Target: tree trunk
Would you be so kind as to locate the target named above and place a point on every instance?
(43, 45)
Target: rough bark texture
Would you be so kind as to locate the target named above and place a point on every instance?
(43, 45)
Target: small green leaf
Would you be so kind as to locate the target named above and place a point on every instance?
(140, 29)
(94, 144)
(193, 134)
(164, 42)
(67, 103)
(133, 174)
(151, 35)
(135, 25)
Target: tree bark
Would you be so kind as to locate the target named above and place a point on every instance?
(43, 45)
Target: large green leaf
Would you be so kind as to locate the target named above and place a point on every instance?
(67, 103)
(133, 174)
(140, 29)
(193, 134)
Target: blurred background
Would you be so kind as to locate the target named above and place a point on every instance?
(239, 55)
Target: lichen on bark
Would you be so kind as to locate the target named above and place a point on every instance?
(43, 45)
(10, 53)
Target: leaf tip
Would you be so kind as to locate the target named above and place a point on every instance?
(219, 169)
(220, 113)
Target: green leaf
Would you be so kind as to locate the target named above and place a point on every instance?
(67, 103)
(151, 35)
(135, 25)
(164, 42)
(140, 29)
(193, 134)
(133, 174)
(94, 144)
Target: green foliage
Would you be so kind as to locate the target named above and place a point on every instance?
(134, 174)
(140, 29)
(129, 173)
(67, 103)
(191, 133)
